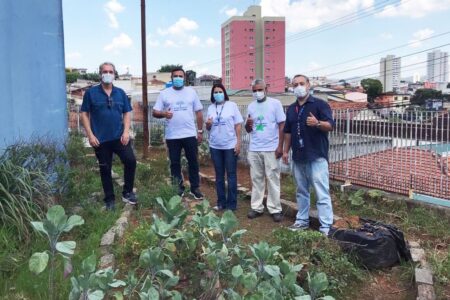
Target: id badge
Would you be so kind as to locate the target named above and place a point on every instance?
(300, 143)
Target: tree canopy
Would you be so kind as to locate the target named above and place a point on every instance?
(372, 87)
(421, 95)
(168, 68)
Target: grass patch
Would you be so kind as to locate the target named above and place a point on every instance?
(319, 254)
(16, 281)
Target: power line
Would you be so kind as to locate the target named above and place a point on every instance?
(379, 52)
(375, 73)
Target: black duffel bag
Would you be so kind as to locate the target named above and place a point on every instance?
(376, 245)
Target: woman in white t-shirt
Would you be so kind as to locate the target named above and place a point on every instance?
(224, 125)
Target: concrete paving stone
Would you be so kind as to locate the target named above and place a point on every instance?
(423, 276)
(417, 254)
(243, 189)
(122, 221)
(108, 238)
(413, 244)
(106, 261)
(425, 292)
(120, 230)
(128, 207)
(114, 175)
(125, 214)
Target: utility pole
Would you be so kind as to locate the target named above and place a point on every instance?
(144, 82)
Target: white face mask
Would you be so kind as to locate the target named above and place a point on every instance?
(300, 91)
(107, 78)
(259, 95)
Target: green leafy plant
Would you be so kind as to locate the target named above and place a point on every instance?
(357, 198)
(55, 224)
(92, 284)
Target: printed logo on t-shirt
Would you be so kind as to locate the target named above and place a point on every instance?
(259, 123)
(180, 106)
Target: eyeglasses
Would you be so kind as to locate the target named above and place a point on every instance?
(110, 102)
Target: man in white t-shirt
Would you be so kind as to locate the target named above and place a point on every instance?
(265, 124)
(181, 108)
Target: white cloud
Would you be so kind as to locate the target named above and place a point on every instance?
(232, 12)
(121, 41)
(194, 40)
(112, 8)
(171, 44)
(386, 36)
(152, 42)
(180, 27)
(193, 65)
(420, 35)
(305, 14)
(73, 55)
(414, 9)
(210, 42)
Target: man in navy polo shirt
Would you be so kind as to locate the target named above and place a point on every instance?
(106, 117)
(308, 122)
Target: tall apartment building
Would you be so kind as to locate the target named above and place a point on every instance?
(437, 66)
(390, 67)
(253, 47)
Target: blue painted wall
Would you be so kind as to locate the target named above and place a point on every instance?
(32, 76)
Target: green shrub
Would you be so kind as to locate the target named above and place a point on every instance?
(24, 195)
(319, 254)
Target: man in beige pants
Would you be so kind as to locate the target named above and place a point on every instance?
(265, 124)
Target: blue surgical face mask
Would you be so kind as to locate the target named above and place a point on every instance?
(178, 82)
(219, 97)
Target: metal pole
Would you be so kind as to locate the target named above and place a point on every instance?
(144, 82)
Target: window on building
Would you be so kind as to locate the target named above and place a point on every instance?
(251, 30)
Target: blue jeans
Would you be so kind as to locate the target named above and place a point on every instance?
(225, 160)
(315, 174)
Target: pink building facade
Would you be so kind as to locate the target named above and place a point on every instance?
(253, 47)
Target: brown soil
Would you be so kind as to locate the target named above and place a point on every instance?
(380, 285)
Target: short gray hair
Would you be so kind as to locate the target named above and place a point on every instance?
(301, 75)
(258, 81)
(106, 63)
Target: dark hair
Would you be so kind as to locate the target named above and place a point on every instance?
(218, 85)
(177, 69)
(301, 75)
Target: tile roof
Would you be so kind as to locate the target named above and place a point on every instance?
(398, 170)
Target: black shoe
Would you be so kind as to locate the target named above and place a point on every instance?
(254, 214)
(196, 194)
(129, 198)
(110, 206)
(277, 217)
(181, 192)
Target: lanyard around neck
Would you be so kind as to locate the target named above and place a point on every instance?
(219, 115)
